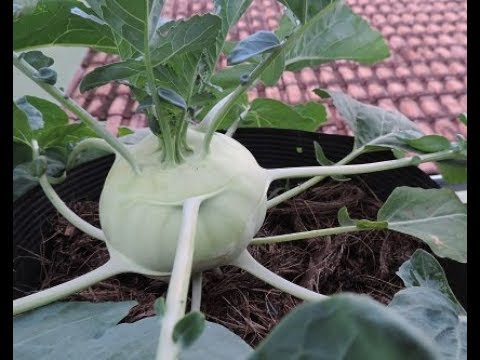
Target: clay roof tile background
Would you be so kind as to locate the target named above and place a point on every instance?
(424, 78)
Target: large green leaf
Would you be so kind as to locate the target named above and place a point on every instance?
(52, 22)
(436, 216)
(125, 18)
(229, 12)
(373, 126)
(80, 330)
(305, 9)
(344, 326)
(185, 36)
(335, 33)
(436, 317)
(273, 113)
(422, 269)
(229, 77)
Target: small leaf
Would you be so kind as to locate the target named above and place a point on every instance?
(453, 172)
(172, 97)
(188, 329)
(435, 216)
(159, 307)
(344, 218)
(34, 116)
(422, 269)
(46, 75)
(463, 118)
(436, 317)
(37, 59)
(345, 326)
(229, 77)
(123, 131)
(322, 160)
(430, 143)
(256, 44)
(274, 71)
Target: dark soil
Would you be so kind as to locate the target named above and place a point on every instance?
(363, 262)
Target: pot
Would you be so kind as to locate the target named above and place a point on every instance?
(272, 148)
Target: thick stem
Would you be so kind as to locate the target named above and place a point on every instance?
(309, 183)
(246, 262)
(166, 135)
(41, 298)
(82, 114)
(196, 291)
(179, 280)
(62, 208)
(304, 235)
(307, 171)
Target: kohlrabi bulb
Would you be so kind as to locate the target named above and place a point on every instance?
(141, 215)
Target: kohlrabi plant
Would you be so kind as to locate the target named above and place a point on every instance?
(183, 197)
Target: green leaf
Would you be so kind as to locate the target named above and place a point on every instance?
(80, 330)
(125, 18)
(275, 114)
(344, 219)
(37, 59)
(185, 36)
(324, 161)
(229, 12)
(463, 118)
(422, 269)
(124, 131)
(188, 329)
(56, 22)
(335, 33)
(435, 216)
(374, 127)
(286, 25)
(21, 153)
(453, 172)
(312, 110)
(305, 9)
(272, 73)
(46, 75)
(23, 180)
(172, 97)
(436, 317)
(229, 77)
(159, 307)
(344, 326)
(34, 117)
(258, 43)
(112, 72)
(430, 143)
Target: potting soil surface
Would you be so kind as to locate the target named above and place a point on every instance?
(363, 262)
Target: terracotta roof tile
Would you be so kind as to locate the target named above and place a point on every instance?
(424, 78)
